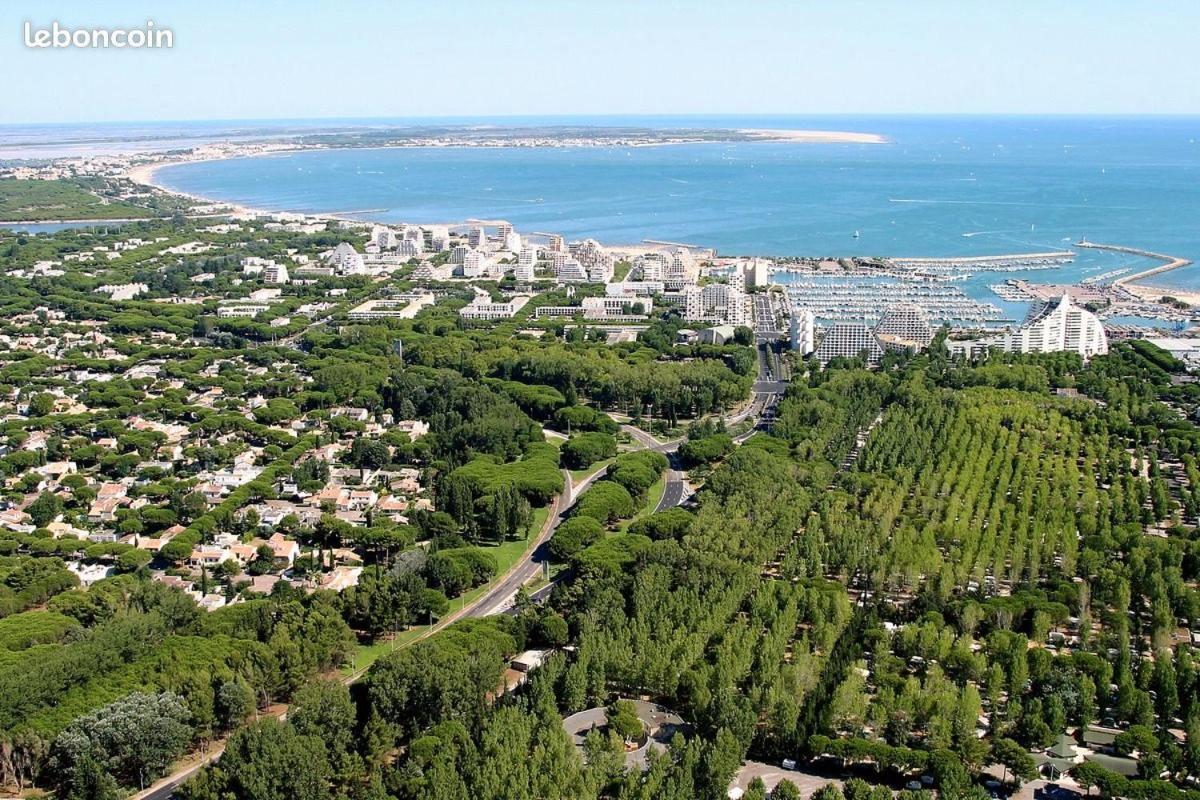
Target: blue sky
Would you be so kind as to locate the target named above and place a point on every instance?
(262, 59)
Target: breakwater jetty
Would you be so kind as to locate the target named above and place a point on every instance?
(1169, 262)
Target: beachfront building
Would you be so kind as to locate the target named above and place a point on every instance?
(1056, 327)
(681, 270)
(650, 267)
(556, 243)
(802, 330)
(384, 237)
(716, 302)
(849, 340)
(904, 326)
(476, 236)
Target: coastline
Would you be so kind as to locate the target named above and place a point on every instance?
(146, 175)
(812, 136)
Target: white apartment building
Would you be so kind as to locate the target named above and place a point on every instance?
(681, 270)
(601, 268)
(476, 264)
(849, 340)
(123, 291)
(716, 302)
(903, 326)
(616, 306)
(1059, 327)
(526, 263)
(384, 237)
(569, 270)
(483, 307)
(254, 265)
(651, 267)
(401, 306)
(802, 331)
(345, 260)
(640, 288)
(245, 310)
(275, 273)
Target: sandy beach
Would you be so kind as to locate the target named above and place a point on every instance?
(144, 175)
(814, 137)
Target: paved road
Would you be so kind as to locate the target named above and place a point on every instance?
(501, 596)
(676, 491)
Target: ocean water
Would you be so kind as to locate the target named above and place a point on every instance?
(941, 186)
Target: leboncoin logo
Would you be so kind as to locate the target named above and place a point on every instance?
(56, 36)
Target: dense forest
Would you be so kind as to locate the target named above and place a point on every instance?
(938, 595)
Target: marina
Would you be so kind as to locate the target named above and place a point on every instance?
(865, 300)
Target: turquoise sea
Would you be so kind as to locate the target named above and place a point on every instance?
(941, 186)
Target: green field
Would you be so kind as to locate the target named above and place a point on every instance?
(29, 201)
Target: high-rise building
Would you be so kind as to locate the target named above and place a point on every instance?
(904, 326)
(384, 236)
(681, 269)
(849, 340)
(650, 267)
(475, 264)
(716, 302)
(1055, 327)
(526, 262)
(345, 260)
(569, 270)
(557, 244)
(601, 268)
(476, 236)
(802, 330)
(414, 234)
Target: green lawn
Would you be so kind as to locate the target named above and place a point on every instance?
(580, 475)
(653, 496)
(506, 555)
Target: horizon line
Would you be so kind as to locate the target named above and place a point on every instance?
(627, 115)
